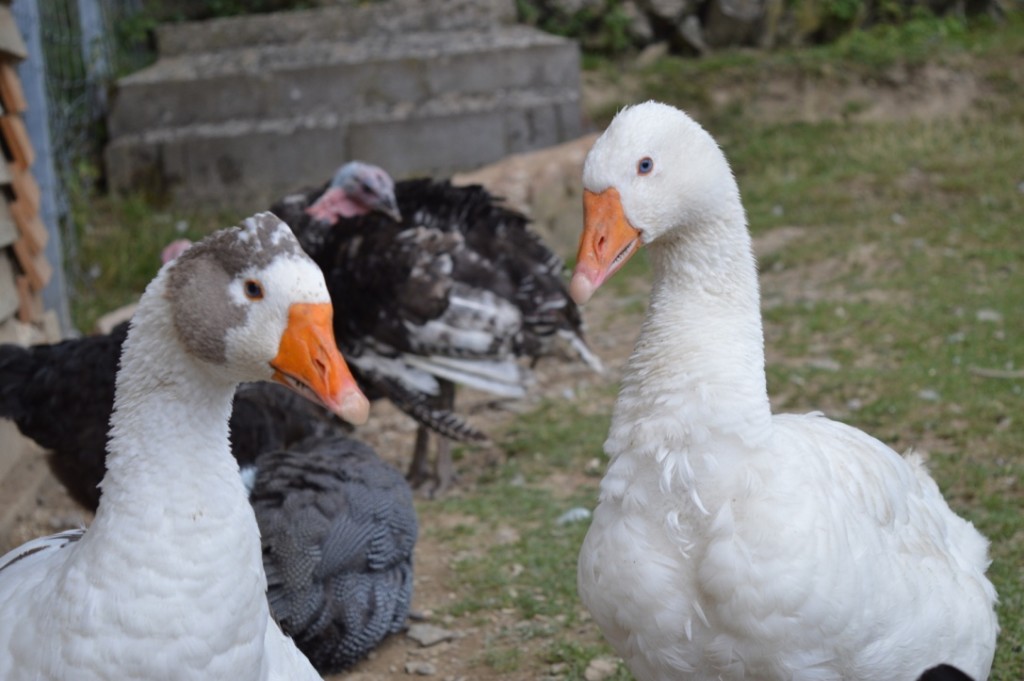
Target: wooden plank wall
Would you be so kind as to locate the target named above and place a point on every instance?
(24, 269)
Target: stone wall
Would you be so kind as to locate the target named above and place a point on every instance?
(700, 26)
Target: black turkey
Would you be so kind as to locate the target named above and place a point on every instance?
(455, 292)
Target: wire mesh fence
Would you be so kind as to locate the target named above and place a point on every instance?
(81, 47)
(86, 45)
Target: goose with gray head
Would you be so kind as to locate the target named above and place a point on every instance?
(730, 543)
(168, 583)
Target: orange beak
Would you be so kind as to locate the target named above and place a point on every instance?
(309, 363)
(607, 242)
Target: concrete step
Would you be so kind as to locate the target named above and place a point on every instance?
(374, 73)
(348, 23)
(248, 163)
(239, 111)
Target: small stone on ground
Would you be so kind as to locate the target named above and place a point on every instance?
(430, 635)
(420, 668)
(601, 668)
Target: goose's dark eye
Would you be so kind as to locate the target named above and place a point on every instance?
(645, 165)
(253, 289)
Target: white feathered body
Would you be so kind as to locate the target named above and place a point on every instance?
(168, 582)
(787, 563)
(732, 544)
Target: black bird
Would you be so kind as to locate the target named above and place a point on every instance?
(338, 528)
(456, 291)
(944, 672)
(61, 396)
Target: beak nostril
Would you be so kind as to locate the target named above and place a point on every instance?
(600, 245)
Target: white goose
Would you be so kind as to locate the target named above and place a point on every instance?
(168, 583)
(729, 543)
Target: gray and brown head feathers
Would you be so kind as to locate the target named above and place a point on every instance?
(204, 271)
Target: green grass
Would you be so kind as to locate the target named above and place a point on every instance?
(908, 278)
(556, 438)
(118, 250)
(530, 572)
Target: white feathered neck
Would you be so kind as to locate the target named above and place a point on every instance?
(698, 365)
(161, 388)
(171, 415)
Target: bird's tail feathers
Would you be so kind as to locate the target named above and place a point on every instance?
(503, 378)
(419, 406)
(577, 343)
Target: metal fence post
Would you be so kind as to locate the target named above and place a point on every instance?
(32, 72)
(94, 52)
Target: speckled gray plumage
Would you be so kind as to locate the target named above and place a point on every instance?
(338, 528)
(310, 232)
(264, 235)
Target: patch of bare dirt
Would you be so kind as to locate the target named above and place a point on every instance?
(613, 330)
(923, 93)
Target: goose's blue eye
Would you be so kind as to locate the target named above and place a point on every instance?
(645, 165)
(253, 289)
